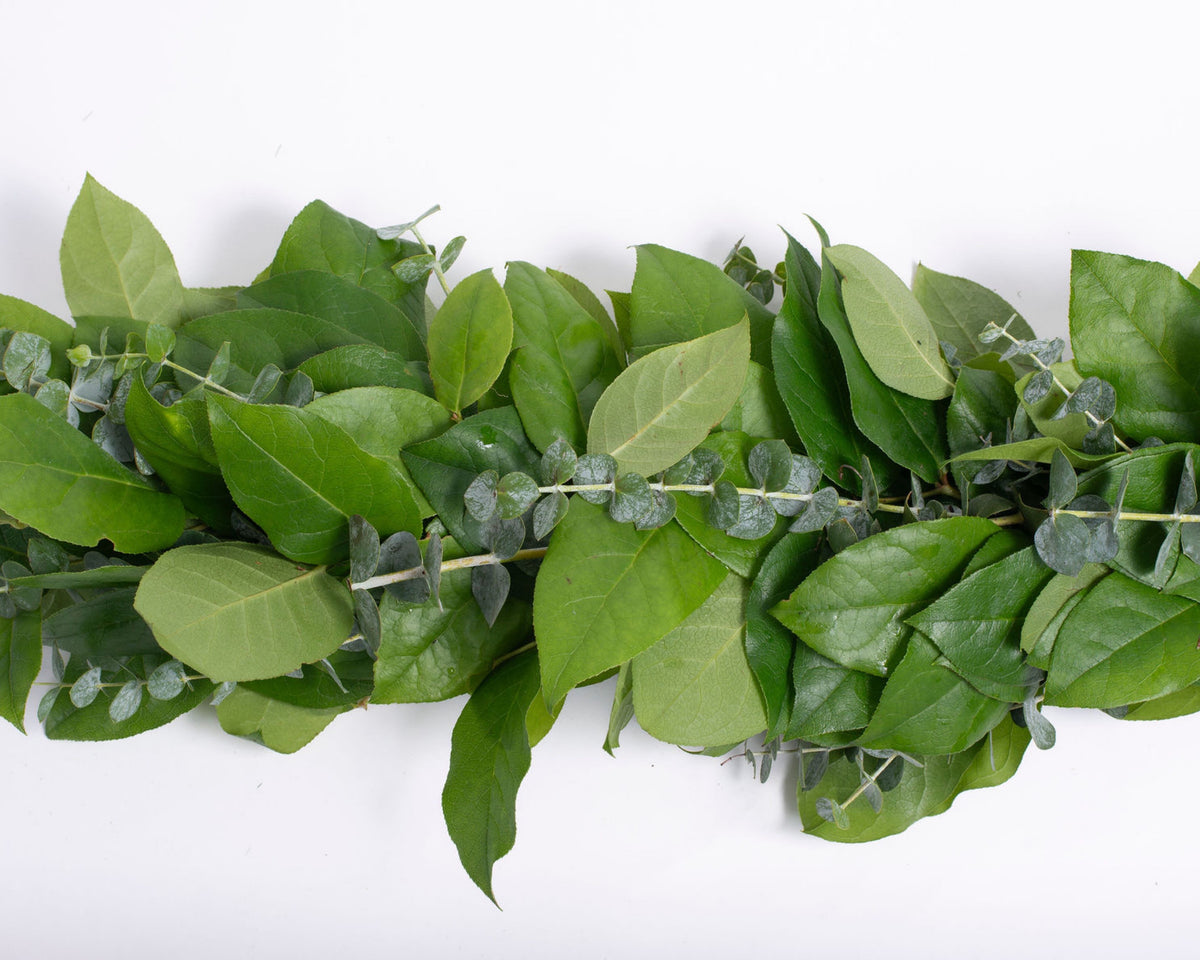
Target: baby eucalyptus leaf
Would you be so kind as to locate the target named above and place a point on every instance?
(632, 498)
(870, 489)
(770, 464)
(364, 549)
(1189, 541)
(594, 469)
(559, 462)
(490, 585)
(1168, 556)
(813, 766)
(481, 497)
(888, 776)
(450, 252)
(1062, 542)
(756, 518)
(160, 341)
(1185, 498)
(1041, 729)
(821, 509)
(549, 512)
(832, 811)
(264, 384)
(1038, 387)
(166, 681)
(26, 360)
(125, 704)
(300, 391)
(366, 616)
(725, 507)
(1101, 440)
(661, 512)
(516, 492)
(412, 270)
(433, 566)
(1063, 482)
(86, 688)
(399, 552)
(221, 364)
(505, 537)
(873, 795)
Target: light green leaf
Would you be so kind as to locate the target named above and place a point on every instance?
(283, 727)
(20, 662)
(489, 756)
(961, 309)
(1036, 450)
(607, 591)
(852, 607)
(365, 365)
(664, 404)
(759, 411)
(469, 340)
(591, 303)
(890, 326)
(233, 611)
(564, 359)
(301, 478)
(115, 264)
(54, 478)
(695, 685)
(677, 298)
(1181, 703)
(1070, 428)
(205, 301)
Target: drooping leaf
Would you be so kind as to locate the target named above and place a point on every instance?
(20, 662)
(469, 340)
(607, 591)
(695, 685)
(622, 708)
(489, 756)
(55, 479)
(343, 679)
(664, 404)
(1136, 324)
(677, 298)
(852, 607)
(890, 327)
(239, 612)
(115, 264)
(301, 478)
(283, 727)
(365, 365)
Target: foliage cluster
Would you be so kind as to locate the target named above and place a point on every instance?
(808, 509)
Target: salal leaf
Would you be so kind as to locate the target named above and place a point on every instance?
(65, 721)
(960, 310)
(591, 303)
(234, 611)
(447, 465)
(889, 326)
(19, 315)
(115, 264)
(852, 607)
(664, 404)
(54, 478)
(677, 298)
(283, 727)
(489, 756)
(365, 365)
(906, 428)
(20, 662)
(301, 478)
(1123, 642)
(104, 625)
(344, 304)
(1181, 703)
(927, 708)
(769, 646)
(429, 654)
(607, 591)
(469, 340)
(923, 791)
(564, 360)
(343, 679)
(759, 410)
(1035, 450)
(832, 703)
(204, 301)
(980, 411)
(809, 373)
(695, 685)
(1136, 323)
(320, 238)
(177, 443)
(977, 624)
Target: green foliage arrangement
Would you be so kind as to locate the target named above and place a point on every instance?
(878, 527)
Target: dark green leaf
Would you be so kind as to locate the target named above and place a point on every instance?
(469, 340)
(364, 549)
(365, 365)
(961, 309)
(622, 709)
(490, 585)
(1062, 543)
(105, 625)
(516, 492)
(20, 662)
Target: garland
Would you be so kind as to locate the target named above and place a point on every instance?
(878, 528)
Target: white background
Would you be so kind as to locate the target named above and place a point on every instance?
(985, 139)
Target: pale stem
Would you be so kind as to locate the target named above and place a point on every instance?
(871, 778)
(461, 563)
(710, 489)
(437, 267)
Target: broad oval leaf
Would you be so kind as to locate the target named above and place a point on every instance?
(55, 479)
(280, 726)
(233, 611)
(469, 340)
(890, 326)
(664, 404)
(961, 309)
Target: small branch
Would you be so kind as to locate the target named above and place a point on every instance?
(461, 563)
(437, 267)
(710, 489)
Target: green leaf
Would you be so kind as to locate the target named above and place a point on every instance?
(622, 708)
(695, 685)
(564, 359)
(759, 410)
(981, 409)
(301, 478)
(1070, 428)
(591, 303)
(204, 301)
(22, 316)
(322, 239)
(365, 365)
(1181, 703)
(489, 756)
(429, 654)
(977, 623)
(115, 264)
(1035, 450)
(343, 679)
(447, 465)
(20, 662)
(960, 310)
(54, 478)
(105, 625)
(607, 591)
(831, 702)
(469, 340)
(905, 428)
(664, 404)
(677, 298)
(926, 708)
(852, 607)
(177, 442)
(809, 373)
(1121, 643)
(239, 612)
(65, 721)
(1136, 324)
(922, 792)
(344, 304)
(283, 727)
(889, 326)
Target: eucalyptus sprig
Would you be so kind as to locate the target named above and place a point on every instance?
(800, 514)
